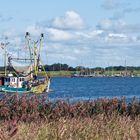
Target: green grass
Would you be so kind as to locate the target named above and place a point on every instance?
(53, 73)
(71, 73)
(61, 73)
(137, 73)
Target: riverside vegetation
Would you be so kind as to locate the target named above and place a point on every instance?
(64, 70)
(32, 117)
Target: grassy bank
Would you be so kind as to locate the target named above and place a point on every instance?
(60, 73)
(52, 73)
(71, 73)
(32, 118)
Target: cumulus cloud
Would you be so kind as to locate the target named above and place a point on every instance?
(118, 26)
(71, 20)
(112, 25)
(59, 35)
(117, 38)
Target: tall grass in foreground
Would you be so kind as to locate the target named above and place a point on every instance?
(98, 128)
(35, 118)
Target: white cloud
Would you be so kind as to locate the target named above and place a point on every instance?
(89, 34)
(59, 35)
(71, 20)
(112, 25)
(117, 35)
(117, 38)
(34, 30)
(71, 54)
(118, 26)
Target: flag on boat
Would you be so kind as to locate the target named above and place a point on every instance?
(2, 45)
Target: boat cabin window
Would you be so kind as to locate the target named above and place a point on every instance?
(7, 79)
(12, 79)
(21, 79)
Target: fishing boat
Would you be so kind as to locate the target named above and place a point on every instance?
(25, 74)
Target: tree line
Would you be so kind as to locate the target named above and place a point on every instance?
(66, 67)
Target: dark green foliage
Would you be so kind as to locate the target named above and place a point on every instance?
(66, 67)
(58, 67)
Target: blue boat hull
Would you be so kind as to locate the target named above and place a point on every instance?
(13, 90)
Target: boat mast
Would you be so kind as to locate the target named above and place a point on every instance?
(35, 60)
(39, 50)
(5, 73)
(27, 36)
(5, 56)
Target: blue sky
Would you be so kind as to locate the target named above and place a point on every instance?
(90, 33)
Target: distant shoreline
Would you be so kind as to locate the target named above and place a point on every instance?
(98, 73)
(95, 74)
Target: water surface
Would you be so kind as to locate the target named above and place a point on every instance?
(94, 88)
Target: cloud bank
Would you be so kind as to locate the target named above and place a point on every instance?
(68, 39)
